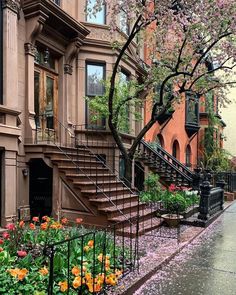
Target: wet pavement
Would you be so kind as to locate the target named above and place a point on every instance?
(207, 266)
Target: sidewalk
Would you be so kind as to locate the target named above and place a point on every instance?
(156, 252)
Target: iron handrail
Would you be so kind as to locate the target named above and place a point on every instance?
(187, 177)
(185, 169)
(98, 159)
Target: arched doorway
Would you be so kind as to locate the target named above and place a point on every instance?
(40, 188)
(176, 150)
(188, 156)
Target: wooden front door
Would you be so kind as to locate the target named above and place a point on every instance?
(45, 103)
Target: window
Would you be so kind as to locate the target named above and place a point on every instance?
(95, 75)
(123, 22)
(58, 2)
(191, 114)
(99, 17)
(175, 149)
(188, 156)
(124, 120)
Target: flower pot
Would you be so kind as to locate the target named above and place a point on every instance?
(172, 220)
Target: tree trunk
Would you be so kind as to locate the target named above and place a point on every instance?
(128, 163)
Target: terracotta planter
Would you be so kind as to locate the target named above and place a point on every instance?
(172, 220)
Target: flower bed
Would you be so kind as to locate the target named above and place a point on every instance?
(81, 259)
(174, 200)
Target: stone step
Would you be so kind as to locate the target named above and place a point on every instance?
(109, 191)
(118, 200)
(84, 170)
(79, 162)
(93, 177)
(100, 183)
(145, 226)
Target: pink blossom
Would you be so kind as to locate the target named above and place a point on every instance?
(6, 235)
(21, 253)
(11, 226)
(1, 241)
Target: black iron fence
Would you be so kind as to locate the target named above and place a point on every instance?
(229, 178)
(92, 262)
(211, 200)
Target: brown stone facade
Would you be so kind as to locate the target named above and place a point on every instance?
(48, 50)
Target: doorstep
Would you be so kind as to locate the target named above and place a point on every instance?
(158, 256)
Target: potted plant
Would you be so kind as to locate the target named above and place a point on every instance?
(174, 205)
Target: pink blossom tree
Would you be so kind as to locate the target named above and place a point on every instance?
(191, 45)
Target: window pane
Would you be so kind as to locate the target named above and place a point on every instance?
(36, 97)
(99, 17)
(124, 78)
(58, 2)
(95, 76)
(49, 102)
(124, 26)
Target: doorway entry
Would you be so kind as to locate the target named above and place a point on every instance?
(40, 188)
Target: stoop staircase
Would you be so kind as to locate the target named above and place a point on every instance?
(108, 199)
(165, 165)
(97, 186)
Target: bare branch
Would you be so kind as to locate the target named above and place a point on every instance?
(208, 50)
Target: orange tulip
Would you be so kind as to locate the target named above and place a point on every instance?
(22, 273)
(64, 220)
(43, 271)
(90, 243)
(32, 226)
(76, 271)
(63, 286)
(21, 224)
(44, 225)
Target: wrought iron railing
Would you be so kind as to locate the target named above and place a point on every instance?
(165, 164)
(94, 167)
(92, 262)
(229, 178)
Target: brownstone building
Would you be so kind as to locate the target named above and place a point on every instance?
(53, 55)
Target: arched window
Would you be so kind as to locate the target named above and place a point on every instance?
(175, 149)
(160, 140)
(188, 156)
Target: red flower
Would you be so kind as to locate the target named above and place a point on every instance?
(1, 249)
(11, 226)
(6, 235)
(35, 219)
(78, 220)
(46, 218)
(21, 253)
(172, 187)
(1, 241)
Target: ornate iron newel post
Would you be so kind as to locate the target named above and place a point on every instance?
(221, 183)
(196, 179)
(205, 189)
